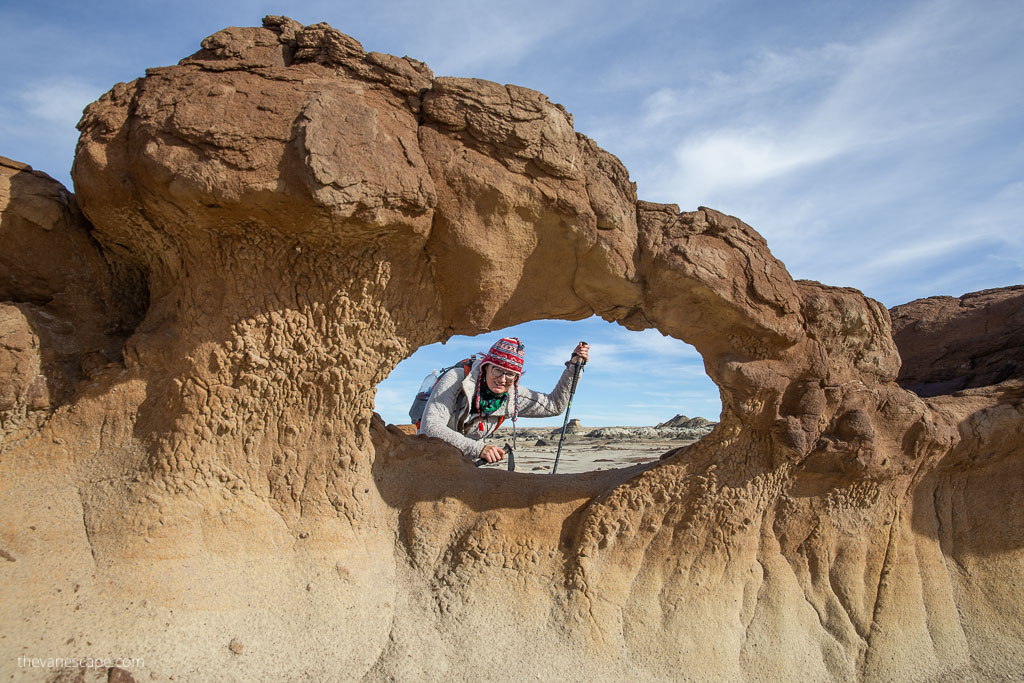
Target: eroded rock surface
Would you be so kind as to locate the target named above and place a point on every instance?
(949, 344)
(304, 214)
(65, 309)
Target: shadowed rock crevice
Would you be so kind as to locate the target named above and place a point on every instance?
(308, 214)
(66, 304)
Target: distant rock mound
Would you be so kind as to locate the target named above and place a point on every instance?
(623, 433)
(690, 429)
(683, 422)
(574, 426)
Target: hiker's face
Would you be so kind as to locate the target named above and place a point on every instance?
(499, 380)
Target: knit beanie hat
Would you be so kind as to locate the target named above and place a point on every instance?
(507, 353)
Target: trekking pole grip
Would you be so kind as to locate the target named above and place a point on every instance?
(582, 360)
(480, 462)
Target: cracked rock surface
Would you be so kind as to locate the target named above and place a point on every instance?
(260, 233)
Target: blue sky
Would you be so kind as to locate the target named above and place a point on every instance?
(877, 145)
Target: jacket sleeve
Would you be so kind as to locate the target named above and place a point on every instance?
(437, 415)
(536, 404)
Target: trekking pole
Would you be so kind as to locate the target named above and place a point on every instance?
(575, 378)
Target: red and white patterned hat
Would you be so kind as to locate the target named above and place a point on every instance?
(507, 353)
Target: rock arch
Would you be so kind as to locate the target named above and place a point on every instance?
(306, 214)
(370, 190)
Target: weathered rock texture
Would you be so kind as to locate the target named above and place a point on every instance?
(301, 216)
(949, 344)
(65, 310)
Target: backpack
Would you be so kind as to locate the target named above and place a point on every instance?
(419, 403)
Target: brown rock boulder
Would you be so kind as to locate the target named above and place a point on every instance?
(949, 344)
(69, 304)
(23, 374)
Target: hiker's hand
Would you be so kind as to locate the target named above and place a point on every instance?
(582, 352)
(492, 454)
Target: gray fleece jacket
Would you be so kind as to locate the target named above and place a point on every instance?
(449, 413)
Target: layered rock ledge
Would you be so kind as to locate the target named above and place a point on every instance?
(192, 473)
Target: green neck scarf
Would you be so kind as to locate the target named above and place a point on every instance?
(490, 401)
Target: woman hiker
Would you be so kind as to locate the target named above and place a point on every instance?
(465, 408)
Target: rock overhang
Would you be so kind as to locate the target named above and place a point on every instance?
(296, 134)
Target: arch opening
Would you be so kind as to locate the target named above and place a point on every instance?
(644, 394)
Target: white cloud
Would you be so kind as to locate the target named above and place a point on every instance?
(769, 74)
(59, 101)
(37, 123)
(786, 112)
(620, 351)
(653, 341)
(469, 39)
(728, 159)
(862, 161)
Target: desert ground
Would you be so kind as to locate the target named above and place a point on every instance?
(594, 449)
(586, 456)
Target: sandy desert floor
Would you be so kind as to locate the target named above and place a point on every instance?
(588, 456)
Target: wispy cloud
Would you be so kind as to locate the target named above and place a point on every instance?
(617, 347)
(38, 121)
(865, 160)
(59, 101)
(771, 74)
(788, 112)
(394, 399)
(461, 38)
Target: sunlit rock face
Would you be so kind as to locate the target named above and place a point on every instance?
(277, 221)
(949, 344)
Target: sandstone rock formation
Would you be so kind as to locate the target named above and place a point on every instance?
(270, 226)
(65, 310)
(949, 344)
(573, 426)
